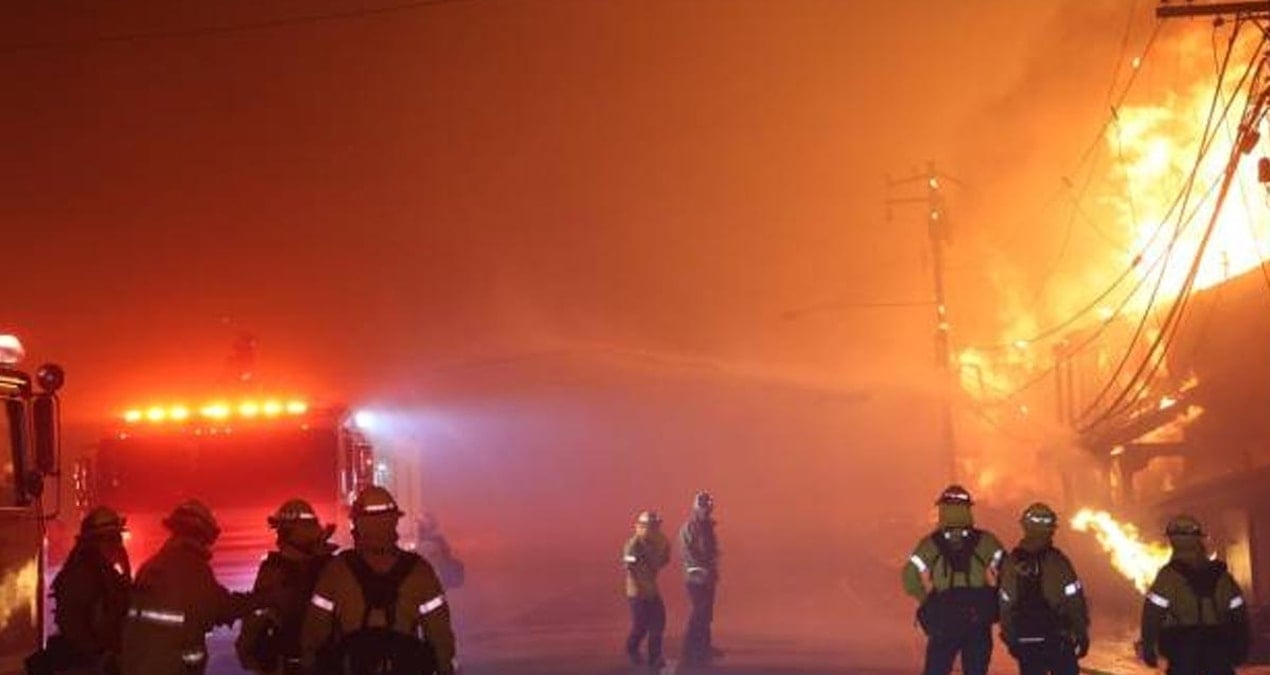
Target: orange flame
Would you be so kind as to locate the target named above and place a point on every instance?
(1137, 560)
(18, 588)
(1157, 146)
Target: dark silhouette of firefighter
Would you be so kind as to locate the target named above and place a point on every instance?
(699, 548)
(1044, 616)
(270, 638)
(951, 574)
(176, 600)
(644, 555)
(435, 548)
(1194, 614)
(378, 609)
(91, 601)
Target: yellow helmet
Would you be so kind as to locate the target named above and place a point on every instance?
(1184, 526)
(102, 521)
(1039, 517)
(375, 501)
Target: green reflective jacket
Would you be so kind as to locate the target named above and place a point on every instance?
(928, 569)
(1061, 589)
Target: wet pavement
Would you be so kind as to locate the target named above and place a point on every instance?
(595, 650)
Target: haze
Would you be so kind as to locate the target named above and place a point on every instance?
(588, 256)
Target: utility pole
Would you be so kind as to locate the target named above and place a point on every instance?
(940, 237)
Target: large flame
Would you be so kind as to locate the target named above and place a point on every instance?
(1137, 560)
(1156, 146)
(1152, 146)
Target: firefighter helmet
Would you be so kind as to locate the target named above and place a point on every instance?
(375, 501)
(649, 518)
(1039, 517)
(954, 495)
(194, 518)
(292, 511)
(1184, 526)
(102, 521)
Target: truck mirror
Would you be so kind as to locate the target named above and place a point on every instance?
(51, 377)
(47, 438)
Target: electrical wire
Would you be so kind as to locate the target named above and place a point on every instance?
(1100, 299)
(1253, 109)
(1078, 197)
(201, 31)
(1243, 194)
(1206, 142)
(1168, 335)
(1178, 206)
(1155, 357)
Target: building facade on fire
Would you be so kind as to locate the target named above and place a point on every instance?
(1196, 437)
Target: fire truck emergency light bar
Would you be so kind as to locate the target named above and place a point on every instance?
(216, 411)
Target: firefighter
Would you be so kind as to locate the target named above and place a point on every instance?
(644, 555)
(270, 638)
(700, 552)
(91, 600)
(377, 608)
(176, 600)
(1044, 617)
(1194, 614)
(951, 574)
(435, 548)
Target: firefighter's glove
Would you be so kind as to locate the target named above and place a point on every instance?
(1082, 645)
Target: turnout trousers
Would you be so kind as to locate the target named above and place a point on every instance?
(697, 639)
(648, 619)
(972, 642)
(1054, 655)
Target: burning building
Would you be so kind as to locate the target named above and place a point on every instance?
(1196, 442)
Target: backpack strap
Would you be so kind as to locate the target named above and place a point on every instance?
(970, 549)
(1203, 583)
(379, 590)
(976, 536)
(1020, 556)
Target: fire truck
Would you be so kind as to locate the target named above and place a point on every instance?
(241, 457)
(29, 428)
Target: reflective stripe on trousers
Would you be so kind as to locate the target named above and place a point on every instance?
(158, 616)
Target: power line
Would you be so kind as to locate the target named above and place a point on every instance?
(1243, 193)
(201, 31)
(1207, 139)
(1173, 322)
(1188, 186)
(1154, 359)
(1134, 264)
(1077, 197)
